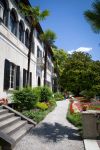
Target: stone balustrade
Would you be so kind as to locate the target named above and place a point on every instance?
(91, 124)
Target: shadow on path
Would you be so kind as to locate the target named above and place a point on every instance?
(55, 132)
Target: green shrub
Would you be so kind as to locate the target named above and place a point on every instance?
(38, 115)
(42, 105)
(52, 102)
(58, 96)
(25, 99)
(37, 91)
(45, 94)
(88, 94)
(96, 89)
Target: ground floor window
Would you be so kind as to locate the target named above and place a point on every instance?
(11, 75)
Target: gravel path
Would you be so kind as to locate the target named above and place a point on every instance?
(53, 133)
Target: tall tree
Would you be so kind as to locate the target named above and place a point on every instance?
(93, 16)
(36, 16)
(77, 74)
(49, 38)
(59, 64)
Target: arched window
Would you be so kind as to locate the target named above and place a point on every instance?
(4, 4)
(13, 22)
(27, 38)
(21, 32)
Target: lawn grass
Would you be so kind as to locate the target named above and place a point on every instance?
(75, 119)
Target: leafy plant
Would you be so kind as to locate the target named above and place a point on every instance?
(42, 105)
(38, 115)
(58, 96)
(37, 91)
(45, 94)
(24, 98)
(88, 94)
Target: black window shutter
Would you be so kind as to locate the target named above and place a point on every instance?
(17, 77)
(6, 74)
(30, 79)
(24, 77)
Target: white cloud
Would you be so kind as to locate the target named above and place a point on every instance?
(81, 49)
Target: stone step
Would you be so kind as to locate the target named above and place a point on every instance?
(15, 127)
(9, 121)
(6, 116)
(21, 132)
(3, 111)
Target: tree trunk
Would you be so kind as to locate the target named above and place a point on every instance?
(45, 66)
(29, 55)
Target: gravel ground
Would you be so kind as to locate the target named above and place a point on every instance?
(53, 133)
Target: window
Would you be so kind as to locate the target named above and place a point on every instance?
(11, 75)
(3, 11)
(21, 32)
(49, 66)
(27, 38)
(13, 23)
(25, 78)
(39, 53)
(38, 37)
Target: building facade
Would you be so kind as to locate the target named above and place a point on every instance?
(14, 43)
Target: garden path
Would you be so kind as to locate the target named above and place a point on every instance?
(53, 133)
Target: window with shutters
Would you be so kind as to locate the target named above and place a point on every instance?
(11, 75)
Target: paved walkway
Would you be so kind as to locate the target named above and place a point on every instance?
(53, 133)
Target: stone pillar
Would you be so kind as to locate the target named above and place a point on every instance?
(89, 124)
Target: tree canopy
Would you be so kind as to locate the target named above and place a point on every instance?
(93, 16)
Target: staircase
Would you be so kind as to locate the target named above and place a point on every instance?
(13, 126)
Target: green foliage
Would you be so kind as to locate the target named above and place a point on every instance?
(59, 64)
(96, 89)
(93, 16)
(33, 12)
(37, 91)
(52, 102)
(41, 105)
(24, 98)
(88, 94)
(80, 73)
(58, 96)
(38, 115)
(48, 37)
(45, 94)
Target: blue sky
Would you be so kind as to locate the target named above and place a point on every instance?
(66, 19)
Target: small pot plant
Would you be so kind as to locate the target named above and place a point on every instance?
(84, 107)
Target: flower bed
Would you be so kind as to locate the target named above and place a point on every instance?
(80, 105)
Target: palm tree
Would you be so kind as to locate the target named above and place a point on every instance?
(93, 16)
(48, 37)
(36, 16)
